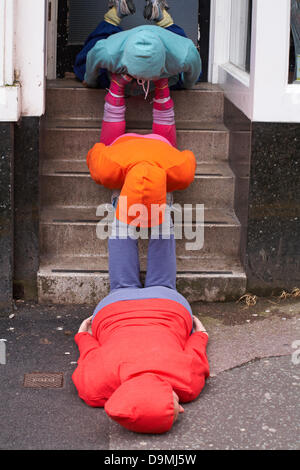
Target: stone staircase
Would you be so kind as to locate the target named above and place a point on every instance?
(73, 261)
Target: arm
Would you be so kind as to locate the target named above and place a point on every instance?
(86, 343)
(88, 377)
(103, 168)
(85, 339)
(193, 67)
(197, 342)
(195, 348)
(180, 176)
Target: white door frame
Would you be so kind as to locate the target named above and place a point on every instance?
(22, 58)
(51, 28)
(235, 81)
(264, 94)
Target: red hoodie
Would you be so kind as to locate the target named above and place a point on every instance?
(140, 351)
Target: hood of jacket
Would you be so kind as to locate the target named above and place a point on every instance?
(144, 55)
(143, 404)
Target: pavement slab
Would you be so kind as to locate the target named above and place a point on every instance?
(250, 401)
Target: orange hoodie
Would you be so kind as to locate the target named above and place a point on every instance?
(145, 170)
(140, 351)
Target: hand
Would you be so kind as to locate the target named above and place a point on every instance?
(85, 84)
(198, 325)
(86, 326)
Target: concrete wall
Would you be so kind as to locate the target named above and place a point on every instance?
(6, 216)
(265, 158)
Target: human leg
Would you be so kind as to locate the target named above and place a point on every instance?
(124, 265)
(161, 258)
(114, 124)
(118, 9)
(163, 112)
(157, 10)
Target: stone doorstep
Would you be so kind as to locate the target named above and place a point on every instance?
(213, 186)
(69, 197)
(73, 143)
(65, 101)
(212, 280)
(66, 237)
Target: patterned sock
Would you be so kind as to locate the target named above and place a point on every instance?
(164, 124)
(162, 98)
(114, 124)
(166, 131)
(116, 93)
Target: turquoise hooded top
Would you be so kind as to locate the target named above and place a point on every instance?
(147, 53)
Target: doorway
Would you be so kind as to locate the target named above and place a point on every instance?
(76, 19)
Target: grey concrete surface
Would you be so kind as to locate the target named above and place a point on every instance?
(251, 400)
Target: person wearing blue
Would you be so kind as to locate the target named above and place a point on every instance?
(110, 49)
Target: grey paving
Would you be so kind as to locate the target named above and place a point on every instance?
(253, 407)
(251, 400)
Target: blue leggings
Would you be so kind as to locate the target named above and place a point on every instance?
(124, 264)
(124, 271)
(103, 31)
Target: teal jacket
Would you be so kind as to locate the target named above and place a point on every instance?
(145, 52)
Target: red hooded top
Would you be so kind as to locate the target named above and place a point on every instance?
(140, 351)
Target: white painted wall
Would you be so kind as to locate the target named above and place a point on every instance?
(22, 58)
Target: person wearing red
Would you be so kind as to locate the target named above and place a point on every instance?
(142, 352)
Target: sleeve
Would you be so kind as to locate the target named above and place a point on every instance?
(103, 169)
(193, 67)
(94, 385)
(196, 346)
(196, 368)
(86, 343)
(106, 54)
(180, 176)
(93, 64)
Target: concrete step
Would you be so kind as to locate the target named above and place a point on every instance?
(69, 99)
(74, 261)
(85, 280)
(70, 231)
(213, 186)
(61, 142)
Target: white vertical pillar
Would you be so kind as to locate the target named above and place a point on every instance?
(219, 37)
(239, 32)
(51, 38)
(270, 61)
(2, 41)
(7, 17)
(31, 54)
(9, 90)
